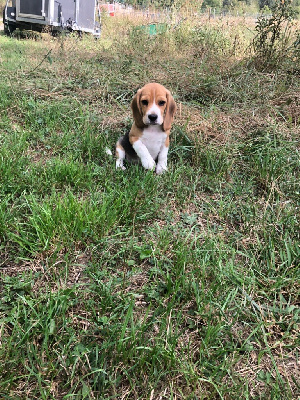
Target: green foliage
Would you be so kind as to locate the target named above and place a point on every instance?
(156, 3)
(124, 284)
(227, 5)
(213, 4)
(272, 43)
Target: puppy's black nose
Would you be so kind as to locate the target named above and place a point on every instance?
(152, 117)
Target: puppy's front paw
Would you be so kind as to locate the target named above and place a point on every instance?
(148, 163)
(119, 165)
(161, 168)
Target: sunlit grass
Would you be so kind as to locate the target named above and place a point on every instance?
(136, 286)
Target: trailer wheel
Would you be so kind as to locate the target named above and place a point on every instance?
(9, 28)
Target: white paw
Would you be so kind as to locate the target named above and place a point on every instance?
(161, 168)
(119, 164)
(148, 163)
(108, 151)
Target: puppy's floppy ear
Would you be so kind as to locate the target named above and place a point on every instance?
(136, 110)
(170, 111)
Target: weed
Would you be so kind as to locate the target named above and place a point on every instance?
(272, 44)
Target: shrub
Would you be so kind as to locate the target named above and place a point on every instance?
(274, 41)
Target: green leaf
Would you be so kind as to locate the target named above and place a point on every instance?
(51, 327)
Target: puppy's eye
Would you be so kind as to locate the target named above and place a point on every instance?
(161, 103)
(145, 102)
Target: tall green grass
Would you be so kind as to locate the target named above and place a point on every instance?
(128, 285)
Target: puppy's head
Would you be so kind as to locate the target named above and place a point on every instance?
(153, 105)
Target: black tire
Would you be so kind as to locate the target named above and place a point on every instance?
(9, 28)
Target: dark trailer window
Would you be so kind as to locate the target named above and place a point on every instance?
(32, 7)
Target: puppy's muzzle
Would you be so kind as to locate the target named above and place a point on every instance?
(152, 118)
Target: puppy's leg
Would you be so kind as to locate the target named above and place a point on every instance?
(120, 154)
(144, 155)
(162, 158)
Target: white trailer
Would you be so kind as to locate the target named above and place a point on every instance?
(71, 15)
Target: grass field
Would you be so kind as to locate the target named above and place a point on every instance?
(128, 285)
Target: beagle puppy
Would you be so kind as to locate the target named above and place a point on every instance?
(153, 109)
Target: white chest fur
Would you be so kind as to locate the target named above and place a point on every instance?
(153, 138)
